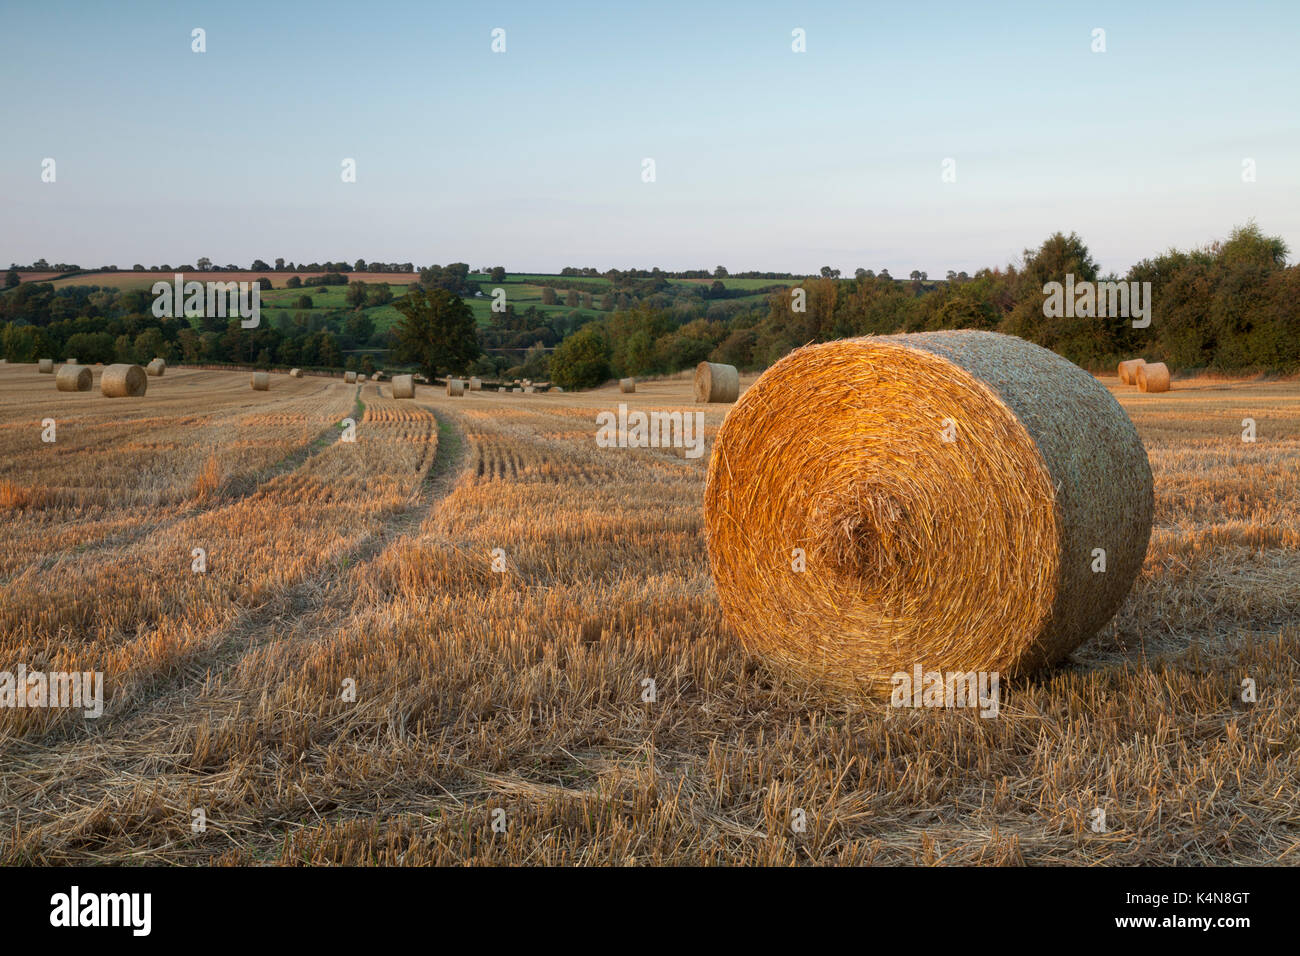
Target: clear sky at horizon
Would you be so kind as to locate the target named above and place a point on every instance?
(764, 158)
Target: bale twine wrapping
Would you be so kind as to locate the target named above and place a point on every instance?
(1128, 370)
(455, 386)
(74, 378)
(260, 381)
(627, 385)
(45, 366)
(475, 384)
(156, 367)
(350, 377)
(403, 386)
(123, 381)
(716, 383)
(974, 554)
(295, 373)
(1153, 377)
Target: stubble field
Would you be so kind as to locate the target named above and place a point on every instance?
(359, 676)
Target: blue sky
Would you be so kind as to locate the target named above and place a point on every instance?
(532, 158)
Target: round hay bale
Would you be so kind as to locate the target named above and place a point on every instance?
(1128, 370)
(123, 381)
(529, 389)
(295, 373)
(503, 388)
(627, 385)
(518, 389)
(556, 388)
(350, 377)
(475, 384)
(260, 381)
(455, 386)
(361, 378)
(73, 378)
(716, 383)
(403, 386)
(156, 367)
(946, 492)
(70, 361)
(1153, 377)
(45, 366)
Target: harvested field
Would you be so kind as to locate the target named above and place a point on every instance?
(516, 679)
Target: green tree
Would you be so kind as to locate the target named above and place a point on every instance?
(436, 331)
(12, 278)
(582, 360)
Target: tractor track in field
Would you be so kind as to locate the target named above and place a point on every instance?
(302, 611)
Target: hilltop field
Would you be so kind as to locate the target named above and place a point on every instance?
(430, 645)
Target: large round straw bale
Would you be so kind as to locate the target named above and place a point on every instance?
(475, 384)
(45, 366)
(123, 381)
(403, 386)
(295, 373)
(350, 377)
(1153, 377)
(627, 385)
(73, 378)
(1128, 370)
(260, 381)
(156, 367)
(716, 383)
(455, 386)
(935, 499)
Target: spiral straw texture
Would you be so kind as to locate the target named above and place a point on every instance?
(970, 554)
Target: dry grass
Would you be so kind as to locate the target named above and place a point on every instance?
(521, 690)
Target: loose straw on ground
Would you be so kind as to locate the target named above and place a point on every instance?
(938, 499)
(716, 383)
(1153, 377)
(123, 381)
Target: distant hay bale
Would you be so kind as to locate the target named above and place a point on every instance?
(403, 386)
(123, 381)
(295, 373)
(475, 384)
(716, 383)
(361, 378)
(378, 376)
(350, 377)
(518, 388)
(1153, 377)
(529, 389)
(156, 367)
(1128, 370)
(503, 388)
(70, 361)
(455, 386)
(73, 378)
(556, 388)
(938, 500)
(260, 381)
(45, 366)
(627, 385)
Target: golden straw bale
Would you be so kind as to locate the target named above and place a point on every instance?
(156, 367)
(403, 386)
(123, 381)
(350, 377)
(1128, 370)
(295, 373)
(73, 378)
(260, 382)
(935, 499)
(45, 366)
(1153, 377)
(455, 386)
(475, 384)
(716, 383)
(627, 385)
